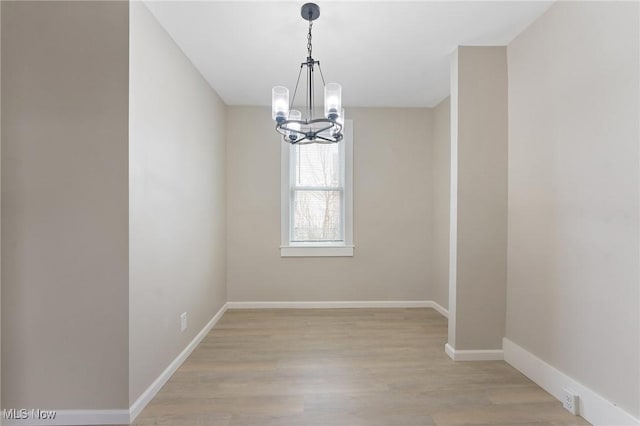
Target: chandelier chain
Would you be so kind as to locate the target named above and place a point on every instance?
(309, 47)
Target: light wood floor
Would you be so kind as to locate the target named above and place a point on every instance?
(343, 367)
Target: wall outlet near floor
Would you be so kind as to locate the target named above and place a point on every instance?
(570, 401)
(183, 321)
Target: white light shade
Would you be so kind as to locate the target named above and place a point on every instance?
(332, 100)
(279, 103)
(294, 115)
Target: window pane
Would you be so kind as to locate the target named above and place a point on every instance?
(317, 165)
(316, 216)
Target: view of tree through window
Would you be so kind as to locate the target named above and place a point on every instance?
(317, 195)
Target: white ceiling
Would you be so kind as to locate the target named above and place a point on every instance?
(384, 53)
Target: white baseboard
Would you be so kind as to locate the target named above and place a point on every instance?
(341, 304)
(474, 355)
(142, 401)
(438, 307)
(73, 417)
(331, 304)
(592, 407)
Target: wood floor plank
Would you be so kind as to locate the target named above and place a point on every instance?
(343, 367)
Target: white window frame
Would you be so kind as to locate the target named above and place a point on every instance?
(316, 249)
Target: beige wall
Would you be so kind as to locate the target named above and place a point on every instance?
(573, 293)
(440, 167)
(177, 197)
(64, 204)
(392, 213)
(479, 151)
(1, 213)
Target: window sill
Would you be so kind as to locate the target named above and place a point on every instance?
(316, 251)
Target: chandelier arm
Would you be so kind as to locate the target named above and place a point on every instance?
(308, 93)
(324, 140)
(329, 126)
(312, 84)
(296, 89)
(330, 123)
(283, 126)
(321, 75)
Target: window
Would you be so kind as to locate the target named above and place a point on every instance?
(317, 198)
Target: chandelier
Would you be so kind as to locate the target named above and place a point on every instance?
(289, 122)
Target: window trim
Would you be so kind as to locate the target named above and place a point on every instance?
(316, 249)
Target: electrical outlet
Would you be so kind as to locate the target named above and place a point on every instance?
(183, 321)
(570, 401)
